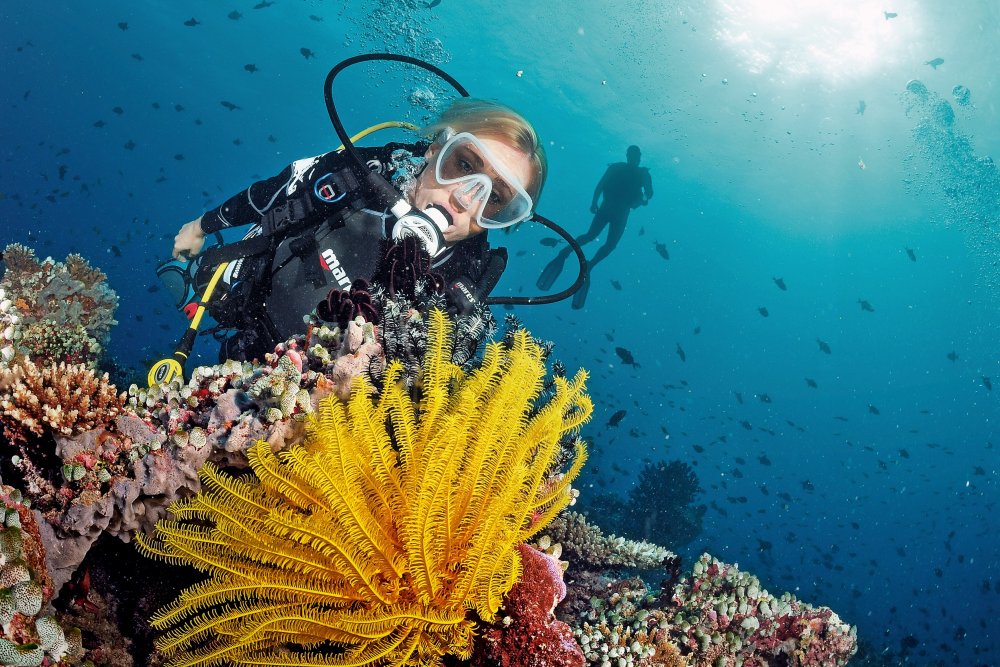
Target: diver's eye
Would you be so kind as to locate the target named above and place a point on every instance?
(464, 167)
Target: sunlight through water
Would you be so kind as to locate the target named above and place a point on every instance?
(835, 41)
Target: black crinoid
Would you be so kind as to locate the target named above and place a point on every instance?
(406, 270)
(342, 306)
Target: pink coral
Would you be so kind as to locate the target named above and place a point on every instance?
(529, 635)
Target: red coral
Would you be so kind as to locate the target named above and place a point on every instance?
(530, 635)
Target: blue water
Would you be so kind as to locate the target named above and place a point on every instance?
(749, 118)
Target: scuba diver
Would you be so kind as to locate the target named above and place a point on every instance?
(624, 186)
(483, 169)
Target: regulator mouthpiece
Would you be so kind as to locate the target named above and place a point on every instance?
(428, 226)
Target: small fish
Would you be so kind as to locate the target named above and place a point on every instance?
(234, 15)
(153, 289)
(313, 17)
(747, 425)
(764, 461)
(807, 485)
(271, 138)
(861, 108)
(179, 157)
(935, 63)
(811, 383)
(263, 4)
(617, 285)
(764, 398)
(890, 15)
(432, 4)
(137, 57)
(912, 255)
(118, 110)
(178, 107)
(780, 283)
(626, 357)
(763, 311)
(739, 397)
(62, 172)
(129, 145)
(905, 454)
(549, 242)
(872, 409)
(696, 331)
(192, 22)
(616, 418)
(823, 346)
(662, 250)
(953, 356)
(123, 26)
(229, 105)
(116, 251)
(138, 318)
(987, 383)
(307, 53)
(156, 105)
(865, 306)
(680, 352)
(250, 67)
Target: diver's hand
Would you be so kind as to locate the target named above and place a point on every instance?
(189, 240)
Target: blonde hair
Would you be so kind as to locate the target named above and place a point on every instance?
(487, 118)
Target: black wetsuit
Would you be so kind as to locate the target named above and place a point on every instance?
(341, 242)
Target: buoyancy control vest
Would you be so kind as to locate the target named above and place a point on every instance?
(321, 238)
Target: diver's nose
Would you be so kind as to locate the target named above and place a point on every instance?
(468, 195)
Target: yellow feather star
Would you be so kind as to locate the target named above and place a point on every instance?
(382, 530)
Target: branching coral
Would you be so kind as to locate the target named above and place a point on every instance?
(391, 522)
(587, 548)
(66, 398)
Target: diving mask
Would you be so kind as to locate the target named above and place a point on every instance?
(488, 188)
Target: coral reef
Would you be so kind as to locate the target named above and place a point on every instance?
(97, 474)
(27, 636)
(65, 309)
(393, 520)
(724, 616)
(529, 635)
(64, 398)
(715, 617)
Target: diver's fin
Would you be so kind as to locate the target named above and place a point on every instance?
(551, 272)
(580, 298)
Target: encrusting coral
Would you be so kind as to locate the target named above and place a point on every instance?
(393, 520)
